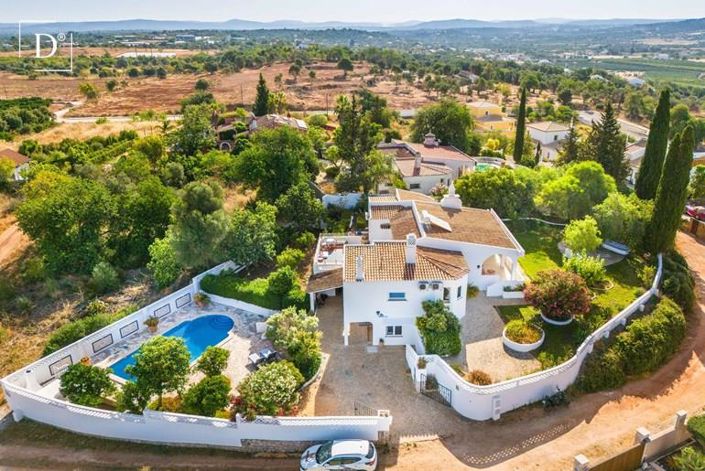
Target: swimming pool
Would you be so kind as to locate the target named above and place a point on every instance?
(198, 334)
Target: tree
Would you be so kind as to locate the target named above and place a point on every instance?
(66, 217)
(300, 207)
(163, 264)
(196, 132)
(582, 235)
(439, 328)
(161, 366)
(355, 144)
(277, 160)
(271, 390)
(7, 168)
(346, 66)
(623, 218)
(448, 120)
(277, 103)
(558, 294)
(609, 144)
(208, 396)
(521, 128)
(282, 282)
(88, 90)
(652, 163)
(86, 385)
(202, 85)
(680, 118)
(252, 237)
(290, 257)
(213, 361)
(570, 151)
(261, 106)
(499, 189)
(671, 194)
(697, 182)
(104, 278)
(199, 225)
(294, 71)
(297, 332)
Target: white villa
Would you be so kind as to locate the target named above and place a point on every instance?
(20, 161)
(550, 134)
(417, 250)
(424, 166)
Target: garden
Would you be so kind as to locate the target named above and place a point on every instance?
(162, 378)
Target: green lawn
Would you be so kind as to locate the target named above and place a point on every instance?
(254, 291)
(541, 244)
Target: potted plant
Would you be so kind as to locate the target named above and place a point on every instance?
(201, 299)
(152, 322)
(521, 336)
(86, 360)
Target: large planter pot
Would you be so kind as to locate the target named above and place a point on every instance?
(556, 322)
(513, 295)
(522, 347)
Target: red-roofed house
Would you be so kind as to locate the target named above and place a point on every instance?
(21, 162)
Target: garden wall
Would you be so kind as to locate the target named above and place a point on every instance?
(490, 402)
(23, 391)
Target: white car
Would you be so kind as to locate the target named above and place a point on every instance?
(340, 455)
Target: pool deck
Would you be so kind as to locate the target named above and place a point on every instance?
(241, 341)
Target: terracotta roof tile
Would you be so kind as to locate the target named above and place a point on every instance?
(325, 280)
(386, 261)
(548, 126)
(408, 169)
(16, 157)
(406, 195)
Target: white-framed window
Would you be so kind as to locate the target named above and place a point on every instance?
(414, 186)
(397, 296)
(393, 331)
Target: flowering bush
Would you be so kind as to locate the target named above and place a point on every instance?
(271, 390)
(559, 294)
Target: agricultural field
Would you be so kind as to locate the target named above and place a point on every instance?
(684, 73)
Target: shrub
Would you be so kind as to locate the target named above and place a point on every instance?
(86, 385)
(290, 258)
(582, 236)
(296, 332)
(649, 341)
(33, 270)
(332, 172)
(163, 265)
(271, 390)
(478, 377)
(559, 294)
(690, 459)
(169, 404)
(677, 282)
(282, 282)
(133, 398)
(472, 291)
(213, 361)
(602, 370)
(104, 278)
(304, 241)
(208, 396)
(421, 363)
(520, 331)
(590, 269)
(696, 426)
(439, 328)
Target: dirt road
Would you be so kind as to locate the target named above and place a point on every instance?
(594, 425)
(11, 239)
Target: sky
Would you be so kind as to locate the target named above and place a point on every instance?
(376, 11)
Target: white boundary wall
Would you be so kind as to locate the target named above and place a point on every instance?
(22, 392)
(490, 402)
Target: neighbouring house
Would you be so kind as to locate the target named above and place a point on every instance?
(21, 162)
(551, 136)
(416, 249)
(427, 165)
(490, 118)
(469, 76)
(634, 153)
(271, 121)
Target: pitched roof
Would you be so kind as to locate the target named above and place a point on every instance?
(548, 126)
(439, 152)
(386, 261)
(483, 104)
(16, 157)
(325, 280)
(408, 168)
(472, 225)
(406, 195)
(401, 220)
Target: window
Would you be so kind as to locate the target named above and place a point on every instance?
(446, 294)
(397, 296)
(414, 186)
(460, 292)
(555, 137)
(385, 226)
(393, 331)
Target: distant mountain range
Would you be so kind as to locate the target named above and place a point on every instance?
(240, 25)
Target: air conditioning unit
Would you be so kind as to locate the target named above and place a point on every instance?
(435, 286)
(423, 286)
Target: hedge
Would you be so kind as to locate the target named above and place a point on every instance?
(678, 283)
(255, 291)
(76, 330)
(696, 427)
(646, 344)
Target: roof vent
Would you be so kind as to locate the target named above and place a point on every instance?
(359, 270)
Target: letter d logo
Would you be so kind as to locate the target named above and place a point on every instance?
(54, 45)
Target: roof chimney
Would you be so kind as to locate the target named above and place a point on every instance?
(417, 164)
(430, 140)
(410, 248)
(451, 200)
(359, 270)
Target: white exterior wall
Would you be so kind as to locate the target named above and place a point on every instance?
(547, 137)
(362, 300)
(17, 173)
(458, 166)
(426, 183)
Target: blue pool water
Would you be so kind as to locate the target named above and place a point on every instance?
(198, 334)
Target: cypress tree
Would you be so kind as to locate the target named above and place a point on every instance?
(521, 128)
(610, 145)
(652, 164)
(672, 193)
(261, 107)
